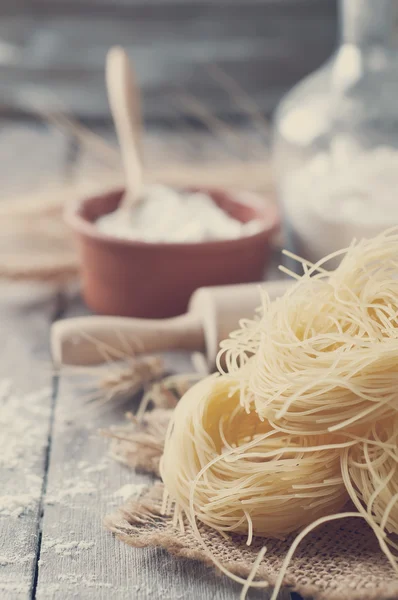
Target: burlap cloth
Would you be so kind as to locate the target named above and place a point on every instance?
(338, 561)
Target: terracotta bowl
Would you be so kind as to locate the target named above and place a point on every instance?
(156, 280)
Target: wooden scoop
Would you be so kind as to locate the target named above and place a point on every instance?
(125, 107)
(213, 313)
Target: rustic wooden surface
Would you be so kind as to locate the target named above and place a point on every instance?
(25, 432)
(52, 543)
(56, 48)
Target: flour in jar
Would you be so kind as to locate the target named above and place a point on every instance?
(166, 215)
(331, 200)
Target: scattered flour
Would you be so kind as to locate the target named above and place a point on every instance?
(14, 587)
(21, 435)
(24, 434)
(87, 468)
(71, 489)
(63, 548)
(83, 581)
(14, 559)
(74, 585)
(130, 490)
(18, 504)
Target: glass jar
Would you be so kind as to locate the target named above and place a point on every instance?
(336, 138)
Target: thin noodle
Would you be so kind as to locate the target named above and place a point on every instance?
(303, 415)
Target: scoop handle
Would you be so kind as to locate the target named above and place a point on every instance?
(97, 339)
(213, 313)
(123, 104)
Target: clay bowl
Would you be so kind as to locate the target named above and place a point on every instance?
(156, 280)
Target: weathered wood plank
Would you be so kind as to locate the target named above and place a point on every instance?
(323, 6)
(265, 46)
(78, 557)
(25, 422)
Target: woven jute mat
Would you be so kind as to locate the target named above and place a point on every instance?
(340, 560)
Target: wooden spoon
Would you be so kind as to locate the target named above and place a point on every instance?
(125, 107)
(213, 313)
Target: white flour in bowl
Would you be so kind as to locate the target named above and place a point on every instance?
(169, 216)
(338, 196)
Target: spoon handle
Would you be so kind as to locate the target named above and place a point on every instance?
(97, 339)
(137, 113)
(213, 313)
(123, 102)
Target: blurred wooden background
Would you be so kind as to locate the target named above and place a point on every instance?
(52, 51)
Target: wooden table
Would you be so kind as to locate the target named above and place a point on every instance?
(60, 46)
(56, 480)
